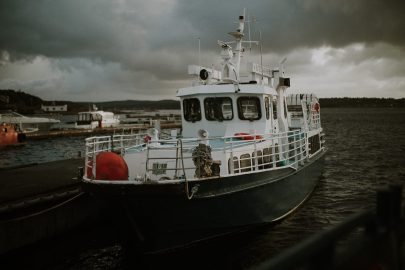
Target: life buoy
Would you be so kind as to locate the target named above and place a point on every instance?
(147, 139)
(247, 136)
(316, 107)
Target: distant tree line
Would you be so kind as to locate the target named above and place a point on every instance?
(26, 103)
(362, 102)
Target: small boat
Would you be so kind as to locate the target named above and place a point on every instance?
(10, 135)
(96, 119)
(249, 154)
(25, 123)
(149, 118)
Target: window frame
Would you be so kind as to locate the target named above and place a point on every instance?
(267, 107)
(218, 105)
(240, 110)
(187, 110)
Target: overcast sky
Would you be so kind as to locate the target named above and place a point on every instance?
(103, 50)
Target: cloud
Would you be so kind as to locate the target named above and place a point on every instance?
(76, 49)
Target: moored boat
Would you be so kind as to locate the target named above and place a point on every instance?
(248, 155)
(25, 123)
(10, 135)
(96, 119)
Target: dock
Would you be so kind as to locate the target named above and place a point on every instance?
(40, 201)
(39, 135)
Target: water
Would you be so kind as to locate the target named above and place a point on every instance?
(366, 152)
(41, 151)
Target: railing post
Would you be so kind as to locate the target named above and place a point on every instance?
(388, 222)
(93, 165)
(255, 151)
(147, 161)
(231, 163)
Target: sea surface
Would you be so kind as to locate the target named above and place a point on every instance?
(366, 151)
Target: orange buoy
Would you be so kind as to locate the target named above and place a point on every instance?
(111, 166)
(247, 136)
(9, 135)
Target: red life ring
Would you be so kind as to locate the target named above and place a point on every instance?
(316, 107)
(147, 139)
(247, 136)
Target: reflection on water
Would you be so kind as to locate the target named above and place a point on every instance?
(366, 151)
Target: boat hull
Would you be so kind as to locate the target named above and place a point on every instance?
(162, 215)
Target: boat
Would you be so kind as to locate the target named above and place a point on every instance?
(96, 119)
(25, 123)
(248, 155)
(10, 134)
(149, 118)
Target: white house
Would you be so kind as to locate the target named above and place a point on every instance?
(54, 108)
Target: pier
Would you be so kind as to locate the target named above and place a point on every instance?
(39, 135)
(39, 201)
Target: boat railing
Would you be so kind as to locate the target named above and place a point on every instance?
(288, 149)
(118, 143)
(248, 152)
(315, 121)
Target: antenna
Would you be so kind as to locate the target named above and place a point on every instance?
(199, 51)
(250, 40)
(261, 54)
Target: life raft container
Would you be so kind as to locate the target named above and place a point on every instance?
(247, 136)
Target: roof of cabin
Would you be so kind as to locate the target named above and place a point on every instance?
(225, 89)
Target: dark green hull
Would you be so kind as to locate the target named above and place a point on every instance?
(162, 216)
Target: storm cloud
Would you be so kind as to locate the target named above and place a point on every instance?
(104, 50)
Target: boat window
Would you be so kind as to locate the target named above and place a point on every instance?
(249, 108)
(259, 159)
(267, 158)
(285, 108)
(84, 117)
(192, 109)
(274, 109)
(97, 117)
(235, 165)
(267, 107)
(245, 163)
(219, 108)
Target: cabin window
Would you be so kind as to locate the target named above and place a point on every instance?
(218, 109)
(267, 107)
(285, 108)
(97, 117)
(192, 109)
(245, 163)
(235, 165)
(274, 109)
(267, 158)
(259, 159)
(249, 108)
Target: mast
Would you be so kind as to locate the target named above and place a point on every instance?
(238, 36)
(231, 58)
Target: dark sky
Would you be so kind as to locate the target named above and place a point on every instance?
(98, 50)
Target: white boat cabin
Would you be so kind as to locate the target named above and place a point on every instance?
(96, 119)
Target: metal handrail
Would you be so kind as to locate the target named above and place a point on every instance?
(287, 149)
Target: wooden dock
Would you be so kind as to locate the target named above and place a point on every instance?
(40, 201)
